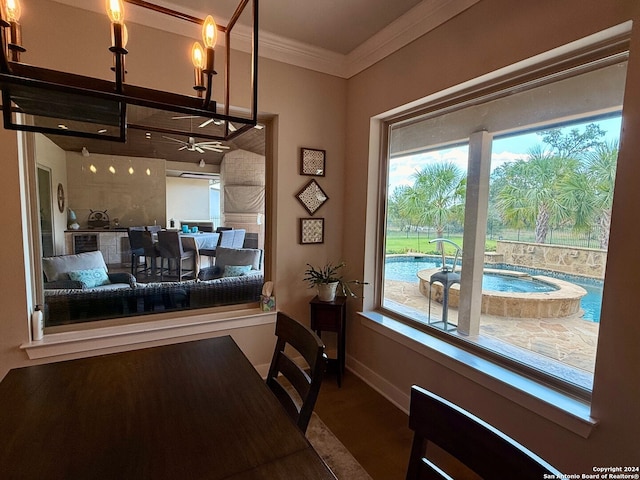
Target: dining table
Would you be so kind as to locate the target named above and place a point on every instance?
(191, 410)
(193, 241)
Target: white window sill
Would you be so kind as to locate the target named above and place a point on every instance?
(562, 409)
(87, 338)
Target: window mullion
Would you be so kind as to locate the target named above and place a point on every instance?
(475, 229)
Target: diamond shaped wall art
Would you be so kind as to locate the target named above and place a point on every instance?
(312, 197)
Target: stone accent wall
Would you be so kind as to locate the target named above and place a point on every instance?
(588, 262)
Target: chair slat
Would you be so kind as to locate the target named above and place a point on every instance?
(309, 345)
(482, 448)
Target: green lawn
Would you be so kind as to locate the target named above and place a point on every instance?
(403, 242)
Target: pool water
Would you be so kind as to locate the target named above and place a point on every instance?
(405, 269)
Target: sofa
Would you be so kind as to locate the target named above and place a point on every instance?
(215, 286)
(83, 271)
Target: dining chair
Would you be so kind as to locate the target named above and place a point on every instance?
(238, 237)
(170, 248)
(473, 442)
(298, 394)
(137, 250)
(210, 252)
(151, 253)
(226, 238)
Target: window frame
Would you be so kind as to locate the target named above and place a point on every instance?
(566, 64)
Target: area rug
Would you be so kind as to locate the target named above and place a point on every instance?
(333, 452)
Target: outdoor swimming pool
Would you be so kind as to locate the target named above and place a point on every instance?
(405, 269)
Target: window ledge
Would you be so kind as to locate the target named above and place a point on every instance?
(562, 409)
(99, 338)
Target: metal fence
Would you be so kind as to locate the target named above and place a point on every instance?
(590, 239)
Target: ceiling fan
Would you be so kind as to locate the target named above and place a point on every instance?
(192, 146)
(208, 121)
(215, 121)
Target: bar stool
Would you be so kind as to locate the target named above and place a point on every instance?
(447, 278)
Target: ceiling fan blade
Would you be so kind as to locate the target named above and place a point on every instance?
(184, 117)
(214, 147)
(210, 148)
(232, 127)
(205, 123)
(175, 140)
(182, 148)
(198, 149)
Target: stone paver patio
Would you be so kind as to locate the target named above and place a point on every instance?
(562, 346)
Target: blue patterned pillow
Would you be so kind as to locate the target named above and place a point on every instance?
(91, 278)
(236, 270)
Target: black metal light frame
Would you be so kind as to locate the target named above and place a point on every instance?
(38, 91)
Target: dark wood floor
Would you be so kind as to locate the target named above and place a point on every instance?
(374, 430)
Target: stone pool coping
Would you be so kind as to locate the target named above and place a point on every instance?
(560, 303)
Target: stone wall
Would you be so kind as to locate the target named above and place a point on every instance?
(588, 262)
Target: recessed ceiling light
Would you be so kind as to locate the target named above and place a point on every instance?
(102, 130)
(112, 169)
(63, 126)
(258, 126)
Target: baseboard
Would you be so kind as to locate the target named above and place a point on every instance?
(392, 393)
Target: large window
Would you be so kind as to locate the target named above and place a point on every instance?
(497, 216)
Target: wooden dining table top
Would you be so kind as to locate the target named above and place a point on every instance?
(193, 410)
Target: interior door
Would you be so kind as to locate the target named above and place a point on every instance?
(45, 201)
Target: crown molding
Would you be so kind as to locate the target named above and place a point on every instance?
(421, 19)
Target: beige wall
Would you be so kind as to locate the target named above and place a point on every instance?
(490, 35)
(319, 111)
(136, 198)
(187, 199)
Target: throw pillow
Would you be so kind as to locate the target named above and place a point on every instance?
(236, 270)
(91, 278)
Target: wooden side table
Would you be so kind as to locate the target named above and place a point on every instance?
(331, 317)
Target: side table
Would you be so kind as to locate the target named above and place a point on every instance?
(331, 317)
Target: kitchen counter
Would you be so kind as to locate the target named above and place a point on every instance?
(112, 242)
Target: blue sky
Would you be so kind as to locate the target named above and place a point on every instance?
(505, 149)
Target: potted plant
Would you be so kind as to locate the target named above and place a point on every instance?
(327, 279)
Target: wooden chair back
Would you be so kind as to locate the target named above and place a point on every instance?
(306, 382)
(482, 448)
(170, 245)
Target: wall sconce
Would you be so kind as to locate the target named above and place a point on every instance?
(95, 108)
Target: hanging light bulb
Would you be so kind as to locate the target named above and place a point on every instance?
(13, 12)
(209, 32)
(197, 57)
(209, 37)
(119, 39)
(115, 10)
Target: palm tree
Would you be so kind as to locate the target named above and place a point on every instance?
(437, 196)
(532, 192)
(589, 193)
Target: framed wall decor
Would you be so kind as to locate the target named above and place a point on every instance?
(312, 162)
(311, 230)
(312, 197)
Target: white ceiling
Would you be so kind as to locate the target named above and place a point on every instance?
(337, 37)
(335, 25)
